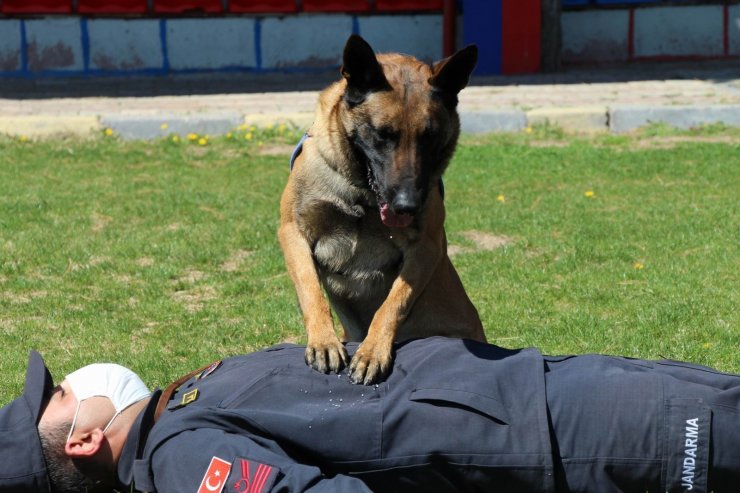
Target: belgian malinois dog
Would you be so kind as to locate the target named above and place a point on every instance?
(363, 213)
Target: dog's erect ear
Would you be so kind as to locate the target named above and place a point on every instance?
(362, 70)
(452, 74)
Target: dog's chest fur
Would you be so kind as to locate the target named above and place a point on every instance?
(356, 256)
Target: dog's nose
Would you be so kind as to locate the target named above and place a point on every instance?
(405, 202)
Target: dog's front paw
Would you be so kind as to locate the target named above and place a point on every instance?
(326, 356)
(370, 364)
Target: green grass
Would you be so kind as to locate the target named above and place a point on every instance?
(163, 255)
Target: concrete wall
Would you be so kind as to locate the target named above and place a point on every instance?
(78, 46)
(595, 35)
(734, 29)
(694, 31)
(59, 45)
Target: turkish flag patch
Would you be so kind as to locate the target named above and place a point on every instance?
(250, 476)
(215, 477)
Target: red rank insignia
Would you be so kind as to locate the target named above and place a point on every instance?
(255, 477)
(215, 477)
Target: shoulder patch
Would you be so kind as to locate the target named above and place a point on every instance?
(215, 477)
(189, 397)
(249, 476)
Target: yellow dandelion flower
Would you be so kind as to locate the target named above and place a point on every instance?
(23, 138)
(229, 135)
(281, 128)
(707, 345)
(243, 127)
(108, 132)
(202, 141)
(252, 128)
(164, 126)
(175, 138)
(269, 126)
(638, 265)
(192, 136)
(501, 198)
(528, 129)
(590, 194)
(248, 136)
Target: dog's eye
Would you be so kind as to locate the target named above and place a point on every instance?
(430, 137)
(387, 134)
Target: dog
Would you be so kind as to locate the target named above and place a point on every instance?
(362, 213)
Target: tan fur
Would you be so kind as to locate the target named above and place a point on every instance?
(385, 283)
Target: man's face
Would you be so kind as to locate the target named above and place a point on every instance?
(93, 412)
(61, 406)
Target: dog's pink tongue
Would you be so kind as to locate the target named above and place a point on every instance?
(393, 220)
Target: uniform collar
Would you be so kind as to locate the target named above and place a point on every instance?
(134, 446)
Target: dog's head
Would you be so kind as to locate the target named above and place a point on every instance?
(401, 118)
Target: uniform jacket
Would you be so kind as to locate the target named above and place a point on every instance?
(267, 422)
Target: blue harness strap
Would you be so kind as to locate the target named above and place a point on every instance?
(299, 148)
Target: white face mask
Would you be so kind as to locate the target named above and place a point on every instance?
(122, 386)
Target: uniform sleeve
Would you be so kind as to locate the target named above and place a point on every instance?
(214, 461)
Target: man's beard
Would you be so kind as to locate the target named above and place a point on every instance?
(64, 476)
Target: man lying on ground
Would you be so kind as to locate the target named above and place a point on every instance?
(454, 415)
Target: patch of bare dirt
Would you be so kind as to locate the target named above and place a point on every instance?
(96, 260)
(214, 212)
(190, 276)
(482, 240)
(193, 299)
(487, 241)
(22, 298)
(453, 250)
(198, 151)
(235, 261)
(275, 150)
(99, 221)
(16, 299)
(143, 178)
(548, 143)
(670, 142)
(144, 262)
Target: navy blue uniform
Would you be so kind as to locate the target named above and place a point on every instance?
(453, 415)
